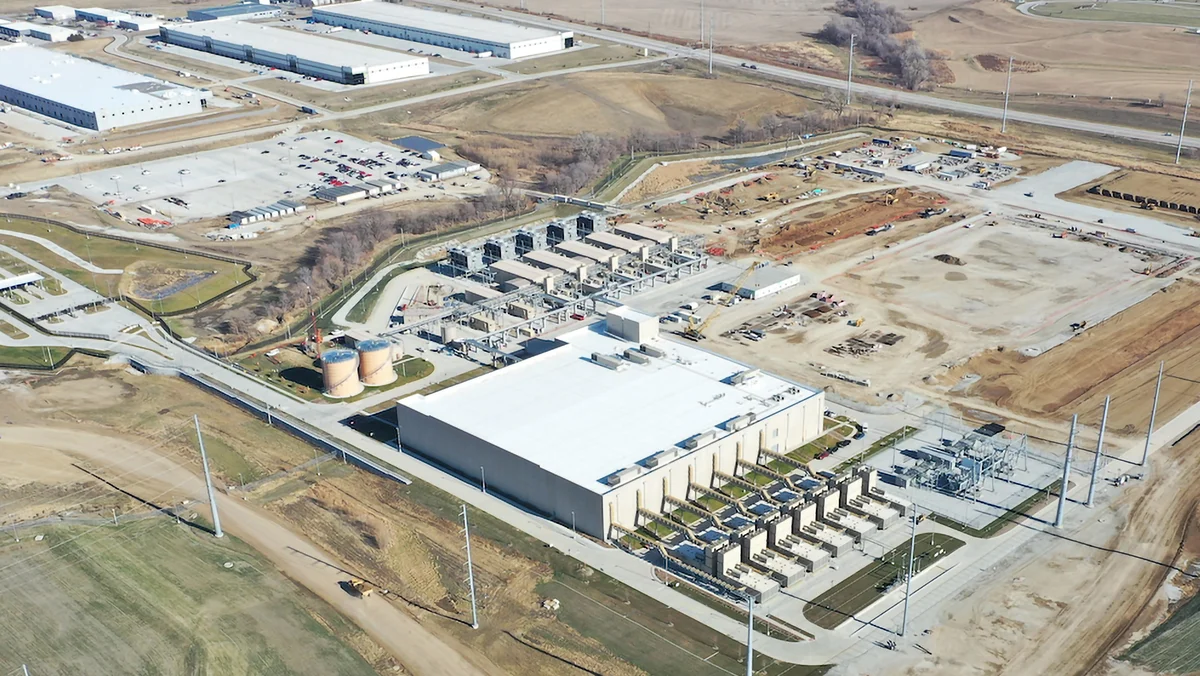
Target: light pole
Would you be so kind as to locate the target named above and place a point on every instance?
(912, 550)
(850, 70)
(575, 532)
(1183, 126)
(1153, 410)
(749, 635)
(1007, 88)
(212, 497)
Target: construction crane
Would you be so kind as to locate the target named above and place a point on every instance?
(695, 330)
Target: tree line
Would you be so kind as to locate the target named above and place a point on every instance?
(874, 27)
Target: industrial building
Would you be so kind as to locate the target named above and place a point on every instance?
(344, 62)
(100, 15)
(16, 29)
(443, 29)
(764, 281)
(608, 420)
(442, 172)
(245, 11)
(90, 94)
(55, 12)
(138, 24)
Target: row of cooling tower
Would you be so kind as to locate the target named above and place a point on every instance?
(346, 372)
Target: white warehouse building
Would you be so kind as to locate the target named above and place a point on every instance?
(90, 94)
(443, 29)
(607, 421)
(344, 62)
(55, 12)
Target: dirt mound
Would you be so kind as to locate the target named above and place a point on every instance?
(999, 64)
(861, 214)
(949, 260)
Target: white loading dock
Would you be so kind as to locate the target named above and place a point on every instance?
(765, 281)
(100, 15)
(343, 62)
(593, 253)
(611, 241)
(444, 29)
(510, 269)
(89, 94)
(138, 24)
(55, 12)
(19, 281)
(582, 428)
(549, 259)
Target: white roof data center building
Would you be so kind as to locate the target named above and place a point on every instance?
(606, 419)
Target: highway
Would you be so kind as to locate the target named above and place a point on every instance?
(902, 96)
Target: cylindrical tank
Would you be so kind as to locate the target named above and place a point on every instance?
(449, 333)
(375, 362)
(340, 371)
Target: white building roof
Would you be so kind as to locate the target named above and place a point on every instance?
(111, 16)
(23, 26)
(765, 276)
(642, 232)
(56, 9)
(594, 421)
(19, 280)
(79, 83)
(471, 27)
(58, 33)
(302, 45)
(553, 260)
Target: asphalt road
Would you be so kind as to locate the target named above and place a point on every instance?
(884, 93)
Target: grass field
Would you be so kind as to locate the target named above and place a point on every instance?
(606, 52)
(11, 331)
(217, 276)
(370, 96)
(32, 356)
(868, 585)
(153, 597)
(809, 451)
(1174, 646)
(1173, 14)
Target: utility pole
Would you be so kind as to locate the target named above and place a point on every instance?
(1182, 127)
(1153, 411)
(1099, 450)
(601, 12)
(212, 496)
(1066, 475)
(850, 70)
(710, 46)
(750, 636)
(470, 570)
(25, 670)
(912, 552)
(701, 23)
(1007, 88)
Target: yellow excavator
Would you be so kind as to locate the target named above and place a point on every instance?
(695, 330)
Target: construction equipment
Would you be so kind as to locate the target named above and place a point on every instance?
(695, 330)
(360, 588)
(857, 322)
(889, 198)
(1150, 206)
(770, 197)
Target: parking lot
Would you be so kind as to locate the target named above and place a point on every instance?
(214, 183)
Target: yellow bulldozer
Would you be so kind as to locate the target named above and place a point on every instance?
(360, 588)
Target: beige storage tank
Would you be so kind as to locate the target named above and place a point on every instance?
(340, 371)
(375, 362)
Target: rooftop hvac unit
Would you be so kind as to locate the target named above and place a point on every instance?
(741, 422)
(652, 351)
(627, 473)
(636, 357)
(745, 376)
(607, 360)
(660, 458)
(700, 440)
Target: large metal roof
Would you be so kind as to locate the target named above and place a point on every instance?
(590, 421)
(301, 45)
(79, 83)
(459, 25)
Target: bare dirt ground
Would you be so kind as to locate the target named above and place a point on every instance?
(813, 228)
(1158, 186)
(668, 178)
(611, 103)
(737, 21)
(1067, 601)
(1118, 357)
(1077, 55)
